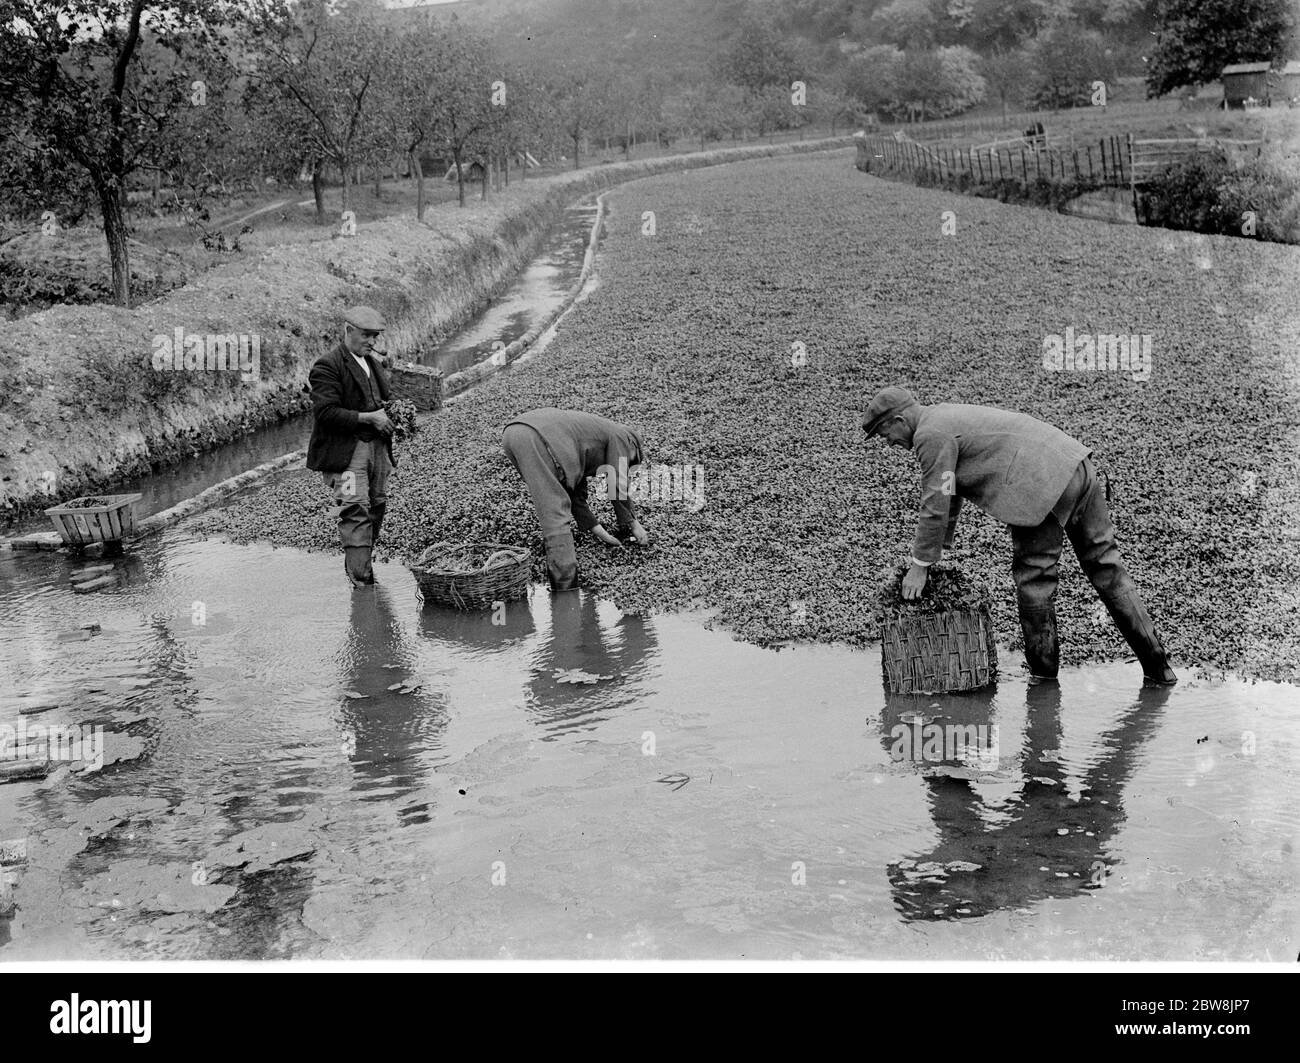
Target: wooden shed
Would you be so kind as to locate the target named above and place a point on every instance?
(1288, 88)
(1243, 81)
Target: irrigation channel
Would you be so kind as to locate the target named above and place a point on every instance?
(272, 766)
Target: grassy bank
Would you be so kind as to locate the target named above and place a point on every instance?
(689, 337)
(81, 404)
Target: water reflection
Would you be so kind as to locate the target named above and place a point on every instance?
(391, 727)
(1039, 841)
(562, 695)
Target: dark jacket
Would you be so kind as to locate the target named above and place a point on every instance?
(339, 391)
(1013, 466)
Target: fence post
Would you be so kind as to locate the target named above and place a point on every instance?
(1024, 166)
(1076, 163)
(1090, 174)
(1105, 176)
(980, 160)
(1038, 165)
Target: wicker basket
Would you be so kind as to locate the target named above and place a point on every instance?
(473, 590)
(932, 653)
(111, 522)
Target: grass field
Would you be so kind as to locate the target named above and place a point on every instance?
(690, 338)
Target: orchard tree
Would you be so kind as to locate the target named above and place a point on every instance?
(94, 86)
(1196, 39)
(326, 65)
(1005, 74)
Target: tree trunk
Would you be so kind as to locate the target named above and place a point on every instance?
(379, 174)
(347, 172)
(460, 178)
(487, 176)
(627, 140)
(418, 170)
(575, 151)
(110, 202)
(318, 190)
(507, 169)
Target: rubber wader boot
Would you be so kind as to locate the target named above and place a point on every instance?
(356, 562)
(562, 561)
(1135, 624)
(1042, 651)
(376, 522)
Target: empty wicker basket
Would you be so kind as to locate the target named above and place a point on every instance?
(931, 653)
(445, 574)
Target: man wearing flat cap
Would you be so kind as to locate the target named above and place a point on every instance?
(1041, 482)
(351, 438)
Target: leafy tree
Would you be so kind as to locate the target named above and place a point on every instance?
(907, 23)
(759, 58)
(873, 77)
(1005, 73)
(1196, 39)
(327, 65)
(90, 84)
(1066, 59)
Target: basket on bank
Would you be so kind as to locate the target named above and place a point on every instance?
(472, 575)
(940, 643)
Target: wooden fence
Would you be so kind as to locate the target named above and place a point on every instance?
(1115, 161)
(1105, 163)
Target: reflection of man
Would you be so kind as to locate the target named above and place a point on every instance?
(989, 859)
(1029, 475)
(351, 439)
(394, 733)
(578, 644)
(557, 452)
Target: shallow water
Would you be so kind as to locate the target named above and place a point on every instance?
(577, 783)
(534, 295)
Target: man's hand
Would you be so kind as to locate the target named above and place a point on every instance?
(914, 581)
(641, 536)
(600, 533)
(378, 419)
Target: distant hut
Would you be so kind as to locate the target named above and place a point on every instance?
(1289, 82)
(472, 171)
(1243, 81)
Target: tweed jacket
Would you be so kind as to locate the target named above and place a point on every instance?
(1011, 465)
(339, 391)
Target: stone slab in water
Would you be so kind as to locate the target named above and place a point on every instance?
(16, 770)
(37, 541)
(94, 584)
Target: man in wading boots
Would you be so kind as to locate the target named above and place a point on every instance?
(1033, 477)
(351, 439)
(557, 452)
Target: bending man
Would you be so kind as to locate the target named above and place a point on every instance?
(557, 452)
(1035, 478)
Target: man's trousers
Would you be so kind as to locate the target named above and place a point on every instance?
(551, 498)
(361, 492)
(1036, 554)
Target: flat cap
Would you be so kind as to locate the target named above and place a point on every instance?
(887, 402)
(365, 317)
